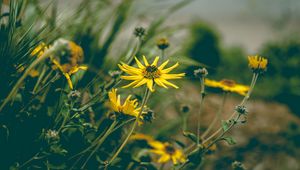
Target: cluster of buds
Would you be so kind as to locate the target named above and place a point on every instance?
(139, 32)
(200, 73)
(241, 109)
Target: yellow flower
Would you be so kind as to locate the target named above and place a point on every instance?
(257, 63)
(68, 74)
(129, 107)
(165, 150)
(162, 43)
(228, 86)
(39, 50)
(149, 74)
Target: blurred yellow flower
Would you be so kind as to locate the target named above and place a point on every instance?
(129, 107)
(68, 74)
(228, 86)
(257, 63)
(165, 150)
(149, 74)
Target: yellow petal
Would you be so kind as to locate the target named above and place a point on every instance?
(155, 61)
(158, 82)
(142, 82)
(150, 85)
(170, 68)
(162, 66)
(145, 61)
(168, 83)
(140, 65)
(69, 80)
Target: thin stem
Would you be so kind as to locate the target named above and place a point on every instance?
(145, 99)
(200, 109)
(246, 98)
(217, 117)
(107, 133)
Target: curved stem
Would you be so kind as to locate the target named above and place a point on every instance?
(145, 99)
(246, 98)
(217, 117)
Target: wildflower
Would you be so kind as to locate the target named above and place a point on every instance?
(166, 150)
(228, 86)
(257, 63)
(69, 73)
(68, 62)
(162, 43)
(139, 32)
(129, 107)
(149, 74)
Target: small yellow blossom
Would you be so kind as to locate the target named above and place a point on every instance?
(257, 63)
(228, 86)
(129, 107)
(162, 43)
(150, 74)
(165, 150)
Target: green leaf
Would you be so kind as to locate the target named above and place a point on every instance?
(191, 136)
(225, 125)
(229, 140)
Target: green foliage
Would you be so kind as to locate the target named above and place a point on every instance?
(204, 47)
(283, 70)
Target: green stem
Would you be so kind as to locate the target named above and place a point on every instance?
(15, 89)
(145, 99)
(246, 98)
(107, 133)
(200, 109)
(217, 117)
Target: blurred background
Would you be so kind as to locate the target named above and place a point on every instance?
(219, 35)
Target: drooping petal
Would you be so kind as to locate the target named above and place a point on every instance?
(150, 85)
(158, 82)
(69, 80)
(141, 82)
(168, 83)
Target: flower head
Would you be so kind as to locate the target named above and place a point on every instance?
(162, 43)
(165, 150)
(228, 86)
(150, 74)
(68, 74)
(68, 64)
(257, 63)
(139, 32)
(129, 107)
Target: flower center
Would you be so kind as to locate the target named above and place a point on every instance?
(229, 83)
(169, 149)
(151, 72)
